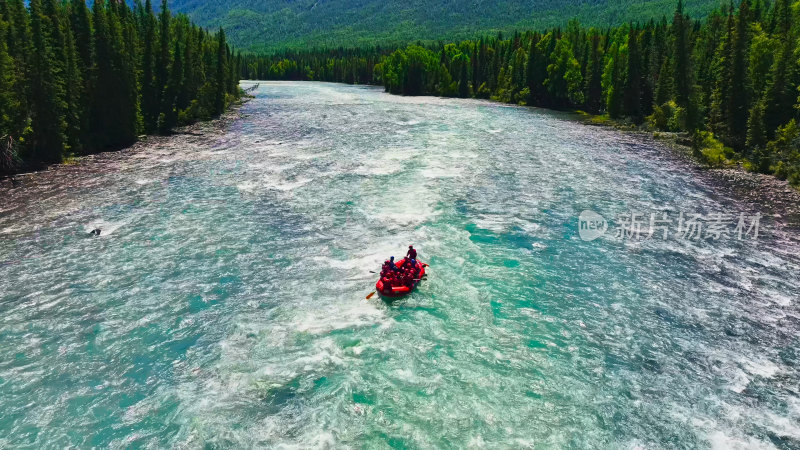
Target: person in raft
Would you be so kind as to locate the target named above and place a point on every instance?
(389, 281)
(414, 268)
(401, 278)
(412, 254)
(389, 266)
(385, 279)
(412, 274)
(385, 270)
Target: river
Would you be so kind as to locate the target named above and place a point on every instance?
(223, 304)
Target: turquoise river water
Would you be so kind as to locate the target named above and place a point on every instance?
(224, 306)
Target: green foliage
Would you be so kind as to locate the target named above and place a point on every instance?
(681, 51)
(594, 73)
(564, 80)
(661, 116)
(74, 81)
(46, 88)
(664, 81)
(632, 96)
(668, 117)
(762, 55)
(711, 150)
(785, 149)
(8, 101)
(270, 25)
(414, 71)
(149, 98)
(612, 80)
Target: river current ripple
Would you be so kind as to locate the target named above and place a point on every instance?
(223, 304)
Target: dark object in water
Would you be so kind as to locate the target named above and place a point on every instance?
(95, 232)
(14, 181)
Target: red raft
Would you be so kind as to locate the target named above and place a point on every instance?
(399, 291)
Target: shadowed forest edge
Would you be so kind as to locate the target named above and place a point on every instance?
(75, 81)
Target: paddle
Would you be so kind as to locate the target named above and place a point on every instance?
(369, 296)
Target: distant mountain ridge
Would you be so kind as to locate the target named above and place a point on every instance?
(276, 24)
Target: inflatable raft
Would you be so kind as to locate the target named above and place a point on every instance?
(399, 291)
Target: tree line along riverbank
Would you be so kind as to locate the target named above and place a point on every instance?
(730, 80)
(75, 81)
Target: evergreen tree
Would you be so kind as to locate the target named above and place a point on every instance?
(82, 35)
(594, 74)
(564, 80)
(70, 79)
(613, 80)
(756, 132)
(463, 81)
(530, 69)
(761, 57)
(538, 73)
(174, 87)
(219, 79)
(74, 96)
(8, 101)
(81, 41)
(722, 68)
(518, 73)
(680, 57)
(780, 94)
(739, 88)
(475, 58)
(148, 82)
(162, 65)
(664, 83)
(18, 46)
(647, 87)
(632, 96)
(46, 92)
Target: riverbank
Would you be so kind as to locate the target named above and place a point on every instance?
(779, 197)
(17, 180)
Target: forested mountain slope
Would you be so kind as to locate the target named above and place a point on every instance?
(276, 24)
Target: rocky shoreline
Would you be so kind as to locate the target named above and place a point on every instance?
(774, 197)
(18, 180)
